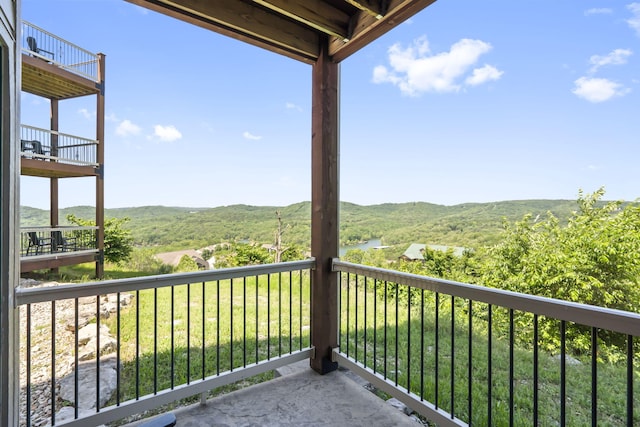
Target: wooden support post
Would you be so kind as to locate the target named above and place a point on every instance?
(324, 209)
(100, 177)
(54, 188)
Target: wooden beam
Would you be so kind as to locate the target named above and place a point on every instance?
(42, 168)
(375, 8)
(367, 28)
(245, 22)
(324, 209)
(314, 13)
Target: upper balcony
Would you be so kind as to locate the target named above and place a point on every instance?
(55, 68)
(52, 154)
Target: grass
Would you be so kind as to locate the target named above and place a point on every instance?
(434, 341)
(210, 328)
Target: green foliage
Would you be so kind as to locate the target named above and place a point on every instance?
(292, 253)
(185, 264)
(118, 243)
(594, 259)
(250, 255)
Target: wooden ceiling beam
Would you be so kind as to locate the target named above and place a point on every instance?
(244, 22)
(314, 13)
(375, 8)
(367, 28)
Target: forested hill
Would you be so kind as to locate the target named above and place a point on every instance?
(468, 224)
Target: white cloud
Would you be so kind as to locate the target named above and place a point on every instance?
(166, 133)
(127, 128)
(111, 118)
(251, 137)
(415, 70)
(292, 106)
(598, 90)
(86, 113)
(598, 11)
(615, 57)
(634, 21)
(483, 75)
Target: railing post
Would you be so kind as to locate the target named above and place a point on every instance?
(324, 207)
(100, 160)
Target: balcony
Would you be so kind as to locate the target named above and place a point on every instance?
(55, 68)
(52, 247)
(55, 154)
(178, 336)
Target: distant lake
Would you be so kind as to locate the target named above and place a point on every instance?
(364, 246)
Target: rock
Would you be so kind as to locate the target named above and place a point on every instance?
(88, 332)
(399, 406)
(568, 360)
(87, 382)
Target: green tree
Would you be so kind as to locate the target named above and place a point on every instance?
(250, 255)
(118, 243)
(185, 264)
(594, 259)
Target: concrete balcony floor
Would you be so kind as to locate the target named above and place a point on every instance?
(300, 397)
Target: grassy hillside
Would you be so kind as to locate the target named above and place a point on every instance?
(469, 224)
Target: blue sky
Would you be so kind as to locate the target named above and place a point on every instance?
(467, 102)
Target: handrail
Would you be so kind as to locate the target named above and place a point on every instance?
(589, 315)
(34, 295)
(81, 62)
(57, 146)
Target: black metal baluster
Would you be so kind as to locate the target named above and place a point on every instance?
(53, 363)
(300, 301)
(244, 321)
(511, 344)
(204, 335)
(535, 369)
(629, 380)
(375, 324)
(489, 363)
(217, 327)
(268, 316)
(257, 324)
(280, 314)
(385, 328)
(470, 366)
(188, 333)
(231, 325)
(155, 340)
(364, 355)
(422, 345)
(408, 339)
(291, 312)
(437, 349)
(396, 337)
(137, 345)
(453, 355)
(28, 367)
(118, 361)
(173, 358)
(594, 377)
(348, 306)
(355, 310)
(563, 373)
(98, 353)
(76, 368)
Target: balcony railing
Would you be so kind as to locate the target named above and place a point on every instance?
(457, 354)
(172, 337)
(48, 145)
(51, 48)
(46, 241)
(468, 355)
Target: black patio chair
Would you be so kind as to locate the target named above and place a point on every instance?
(39, 244)
(63, 244)
(33, 47)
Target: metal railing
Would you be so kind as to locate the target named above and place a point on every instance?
(49, 145)
(37, 241)
(171, 337)
(39, 43)
(461, 354)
